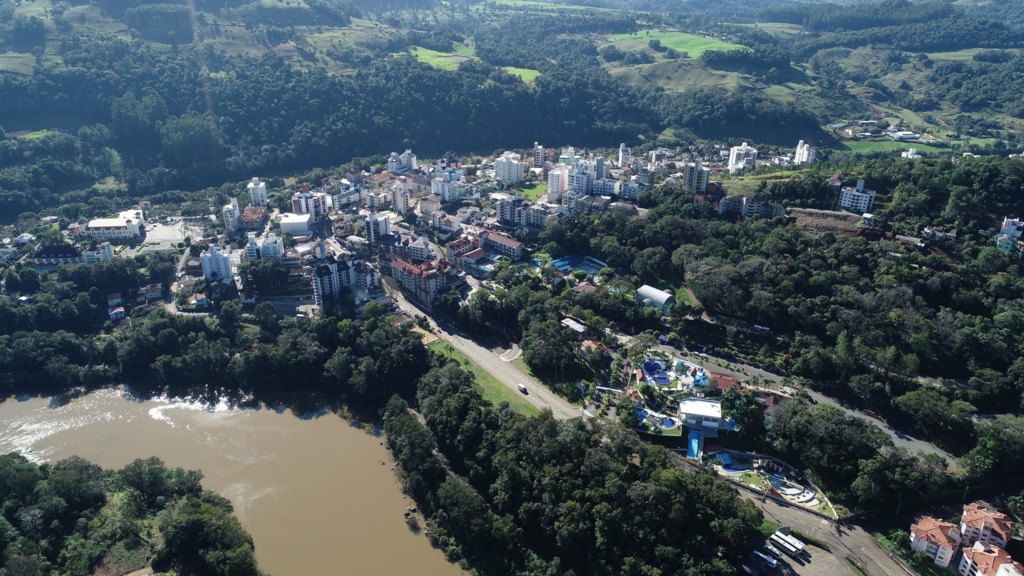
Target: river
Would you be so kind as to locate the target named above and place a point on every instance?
(317, 493)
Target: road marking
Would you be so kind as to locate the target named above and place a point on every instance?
(864, 550)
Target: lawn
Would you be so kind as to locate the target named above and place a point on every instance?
(691, 44)
(490, 387)
(444, 60)
(535, 4)
(527, 75)
(536, 191)
(867, 146)
(683, 296)
(17, 63)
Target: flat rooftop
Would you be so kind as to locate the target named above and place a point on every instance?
(701, 407)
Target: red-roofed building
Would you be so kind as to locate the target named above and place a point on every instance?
(937, 539)
(424, 281)
(982, 560)
(502, 244)
(981, 525)
(585, 287)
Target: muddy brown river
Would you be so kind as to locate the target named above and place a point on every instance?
(317, 493)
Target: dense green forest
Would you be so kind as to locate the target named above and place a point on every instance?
(72, 517)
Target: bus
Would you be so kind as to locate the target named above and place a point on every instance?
(768, 560)
(773, 550)
(783, 543)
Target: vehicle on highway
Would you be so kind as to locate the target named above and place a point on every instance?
(522, 388)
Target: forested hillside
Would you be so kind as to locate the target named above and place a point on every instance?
(72, 517)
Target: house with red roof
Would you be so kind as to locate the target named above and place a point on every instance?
(979, 524)
(937, 539)
(985, 560)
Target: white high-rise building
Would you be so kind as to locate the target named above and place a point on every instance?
(216, 263)
(231, 213)
(252, 248)
(742, 158)
(695, 180)
(580, 181)
(858, 199)
(378, 225)
(538, 155)
(558, 182)
(312, 203)
(625, 155)
(400, 199)
(257, 192)
(509, 168)
(804, 153)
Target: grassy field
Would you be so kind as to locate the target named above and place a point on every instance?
(535, 4)
(490, 387)
(866, 146)
(960, 54)
(536, 191)
(675, 75)
(17, 63)
(444, 60)
(681, 42)
(527, 75)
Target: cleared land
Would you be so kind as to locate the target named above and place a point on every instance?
(887, 146)
(444, 60)
(681, 42)
(527, 75)
(492, 390)
(822, 221)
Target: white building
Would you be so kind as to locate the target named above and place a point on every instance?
(538, 155)
(295, 224)
(401, 163)
(695, 179)
(378, 225)
(938, 540)
(983, 560)
(701, 413)
(312, 203)
(231, 212)
(988, 527)
(580, 181)
(510, 168)
(558, 182)
(401, 201)
(742, 158)
(804, 153)
(128, 224)
(101, 253)
(216, 264)
(257, 192)
(625, 155)
(651, 296)
(858, 199)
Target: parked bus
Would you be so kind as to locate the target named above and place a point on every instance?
(784, 545)
(768, 560)
(793, 541)
(773, 550)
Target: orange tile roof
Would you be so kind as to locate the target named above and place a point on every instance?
(976, 516)
(988, 559)
(931, 530)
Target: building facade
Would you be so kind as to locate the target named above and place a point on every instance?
(257, 192)
(858, 199)
(127, 225)
(938, 540)
(804, 154)
(216, 264)
(742, 158)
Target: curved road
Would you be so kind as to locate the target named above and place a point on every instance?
(504, 372)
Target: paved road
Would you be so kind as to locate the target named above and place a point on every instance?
(848, 541)
(505, 372)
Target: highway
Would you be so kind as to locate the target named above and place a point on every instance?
(504, 372)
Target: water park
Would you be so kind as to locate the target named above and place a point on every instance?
(766, 474)
(668, 398)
